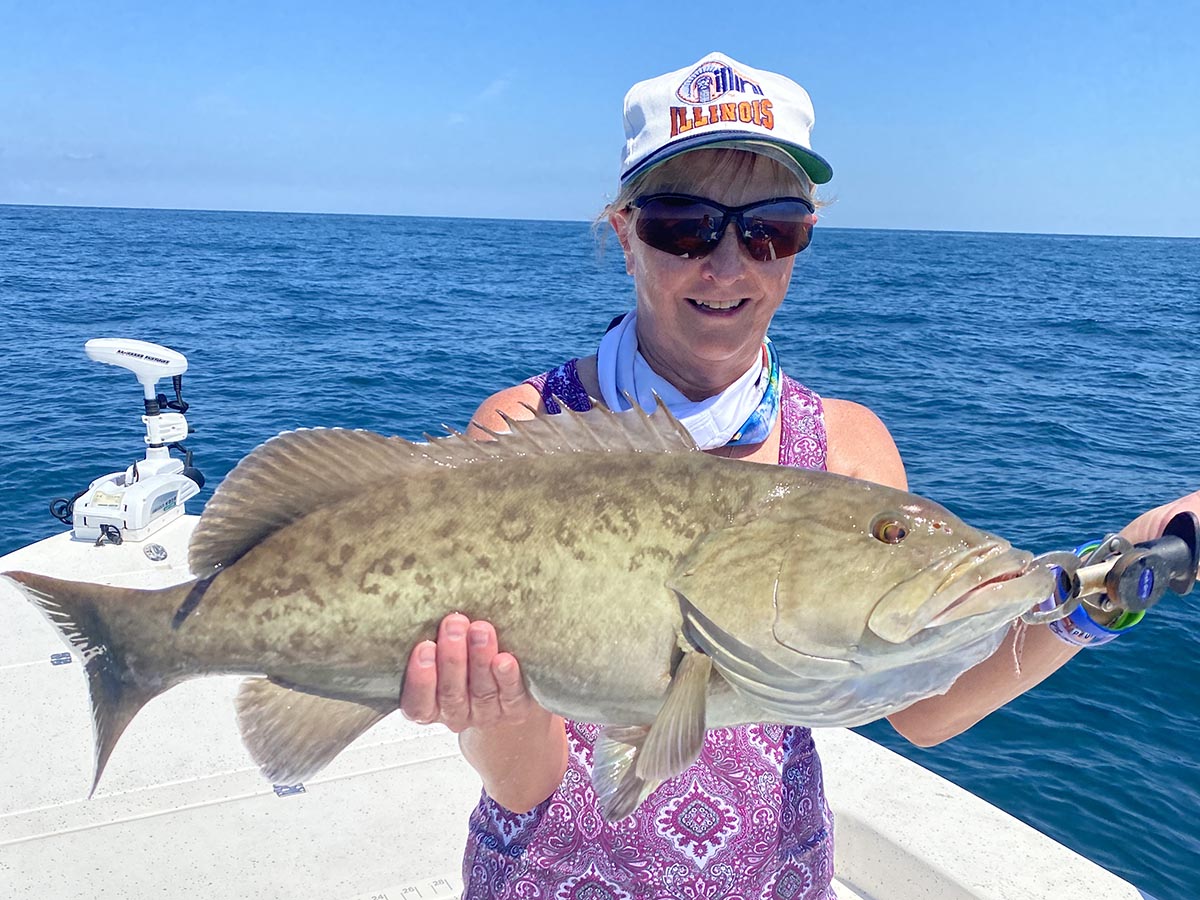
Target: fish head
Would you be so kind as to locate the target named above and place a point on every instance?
(838, 573)
(907, 570)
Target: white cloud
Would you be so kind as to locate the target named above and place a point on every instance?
(493, 90)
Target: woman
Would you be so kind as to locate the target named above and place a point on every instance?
(716, 199)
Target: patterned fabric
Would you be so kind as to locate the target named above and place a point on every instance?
(747, 821)
(758, 425)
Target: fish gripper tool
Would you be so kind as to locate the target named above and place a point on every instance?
(1115, 574)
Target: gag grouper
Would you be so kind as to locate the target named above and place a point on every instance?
(641, 583)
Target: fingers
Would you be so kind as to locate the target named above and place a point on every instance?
(453, 701)
(418, 700)
(463, 680)
(512, 697)
(481, 683)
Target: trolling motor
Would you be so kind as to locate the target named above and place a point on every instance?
(1114, 574)
(150, 494)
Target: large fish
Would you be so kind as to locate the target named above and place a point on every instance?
(640, 582)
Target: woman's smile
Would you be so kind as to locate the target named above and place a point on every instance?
(718, 307)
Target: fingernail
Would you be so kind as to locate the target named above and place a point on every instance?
(426, 654)
(477, 637)
(456, 628)
(504, 667)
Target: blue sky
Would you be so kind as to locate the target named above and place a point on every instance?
(1045, 117)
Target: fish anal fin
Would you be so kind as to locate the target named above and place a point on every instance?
(619, 790)
(292, 734)
(678, 731)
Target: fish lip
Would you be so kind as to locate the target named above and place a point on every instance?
(986, 566)
(998, 581)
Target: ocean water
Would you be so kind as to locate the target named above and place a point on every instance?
(1044, 387)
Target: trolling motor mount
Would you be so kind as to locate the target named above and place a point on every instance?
(133, 504)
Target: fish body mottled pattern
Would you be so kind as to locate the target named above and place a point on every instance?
(568, 557)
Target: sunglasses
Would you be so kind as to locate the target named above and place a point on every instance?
(692, 227)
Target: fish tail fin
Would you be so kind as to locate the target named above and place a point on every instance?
(94, 620)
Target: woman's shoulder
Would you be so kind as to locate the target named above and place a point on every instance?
(860, 445)
(574, 382)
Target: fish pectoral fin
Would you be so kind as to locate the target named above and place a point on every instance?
(678, 731)
(292, 734)
(619, 790)
(631, 761)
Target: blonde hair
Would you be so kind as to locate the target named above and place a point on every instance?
(723, 165)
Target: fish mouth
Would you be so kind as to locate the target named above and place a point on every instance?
(993, 579)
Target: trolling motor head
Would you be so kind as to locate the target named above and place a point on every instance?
(150, 363)
(133, 504)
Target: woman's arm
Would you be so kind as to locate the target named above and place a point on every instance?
(465, 682)
(999, 679)
(860, 446)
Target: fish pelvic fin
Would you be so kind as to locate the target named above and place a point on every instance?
(292, 734)
(95, 620)
(619, 789)
(631, 761)
(299, 472)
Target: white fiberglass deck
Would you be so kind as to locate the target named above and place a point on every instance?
(183, 812)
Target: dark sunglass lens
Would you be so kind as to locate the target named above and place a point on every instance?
(679, 226)
(777, 230)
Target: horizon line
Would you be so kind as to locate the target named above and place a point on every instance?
(284, 212)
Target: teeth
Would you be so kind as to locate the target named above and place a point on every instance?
(720, 304)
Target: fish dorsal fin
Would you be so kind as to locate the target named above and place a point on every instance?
(292, 734)
(598, 430)
(285, 479)
(298, 472)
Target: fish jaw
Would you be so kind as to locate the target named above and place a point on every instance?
(994, 579)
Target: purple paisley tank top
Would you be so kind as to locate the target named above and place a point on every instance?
(747, 820)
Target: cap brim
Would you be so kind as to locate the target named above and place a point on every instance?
(814, 166)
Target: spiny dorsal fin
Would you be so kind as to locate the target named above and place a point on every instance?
(298, 472)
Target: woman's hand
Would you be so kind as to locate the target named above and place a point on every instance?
(463, 680)
(1149, 525)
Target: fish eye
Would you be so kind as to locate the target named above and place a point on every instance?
(889, 529)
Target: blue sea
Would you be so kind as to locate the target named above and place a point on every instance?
(1043, 387)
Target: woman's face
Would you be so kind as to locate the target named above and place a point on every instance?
(709, 311)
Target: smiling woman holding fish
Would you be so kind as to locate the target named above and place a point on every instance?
(716, 199)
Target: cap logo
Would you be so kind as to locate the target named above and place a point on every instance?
(709, 82)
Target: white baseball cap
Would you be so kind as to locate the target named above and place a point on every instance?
(719, 102)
